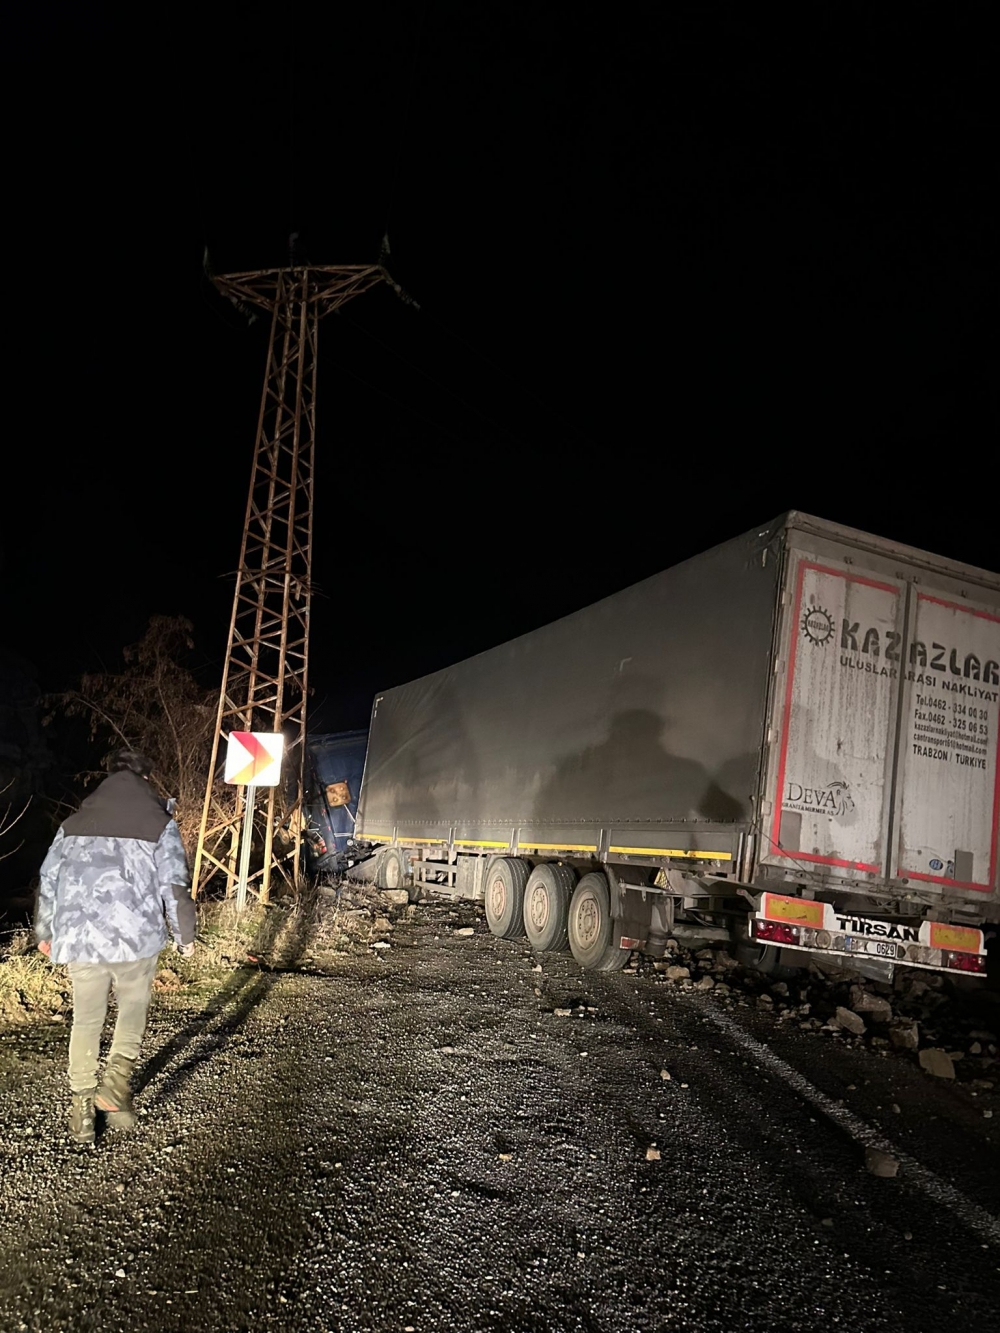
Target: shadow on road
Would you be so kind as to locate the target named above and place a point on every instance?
(228, 1009)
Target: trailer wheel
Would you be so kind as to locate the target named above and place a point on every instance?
(392, 872)
(546, 907)
(592, 927)
(505, 881)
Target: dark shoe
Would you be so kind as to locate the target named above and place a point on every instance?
(114, 1096)
(81, 1119)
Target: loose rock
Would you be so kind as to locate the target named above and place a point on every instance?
(905, 1036)
(677, 973)
(880, 1163)
(863, 1002)
(937, 1062)
(850, 1021)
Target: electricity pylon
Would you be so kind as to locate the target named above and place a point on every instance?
(266, 676)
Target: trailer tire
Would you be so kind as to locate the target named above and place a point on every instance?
(591, 927)
(505, 881)
(392, 871)
(546, 907)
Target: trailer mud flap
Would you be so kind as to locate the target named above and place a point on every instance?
(630, 912)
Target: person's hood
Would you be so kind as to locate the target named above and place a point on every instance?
(122, 806)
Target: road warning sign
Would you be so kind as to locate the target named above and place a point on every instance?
(254, 757)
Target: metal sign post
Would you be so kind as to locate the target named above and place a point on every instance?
(246, 842)
(253, 759)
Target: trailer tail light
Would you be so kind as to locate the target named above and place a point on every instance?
(964, 962)
(775, 932)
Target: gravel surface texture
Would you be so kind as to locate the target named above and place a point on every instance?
(444, 1135)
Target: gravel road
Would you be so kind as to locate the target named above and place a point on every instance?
(420, 1141)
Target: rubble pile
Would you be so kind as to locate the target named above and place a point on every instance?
(952, 1031)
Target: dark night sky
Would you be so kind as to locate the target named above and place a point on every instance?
(681, 267)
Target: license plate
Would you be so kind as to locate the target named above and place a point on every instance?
(873, 948)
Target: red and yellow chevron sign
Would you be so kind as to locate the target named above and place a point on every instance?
(254, 756)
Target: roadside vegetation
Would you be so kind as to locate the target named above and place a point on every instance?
(312, 932)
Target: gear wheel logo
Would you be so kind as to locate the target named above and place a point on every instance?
(817, 626)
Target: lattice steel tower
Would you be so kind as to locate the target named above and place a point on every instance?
(266, 676)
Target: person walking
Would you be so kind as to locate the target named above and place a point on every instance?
(115, 871)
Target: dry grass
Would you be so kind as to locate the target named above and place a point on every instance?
(30, 986)
(314, 932)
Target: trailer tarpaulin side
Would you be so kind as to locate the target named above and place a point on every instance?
(646, 708)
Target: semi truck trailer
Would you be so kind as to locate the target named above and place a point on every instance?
(789, 741)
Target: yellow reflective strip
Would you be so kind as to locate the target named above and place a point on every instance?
(673, 851)
(375, 837)
(801, 910)
(557, 847)
(963, 939)
(436, 842)
(475, 842)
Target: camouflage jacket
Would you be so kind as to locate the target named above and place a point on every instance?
(111, 873)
